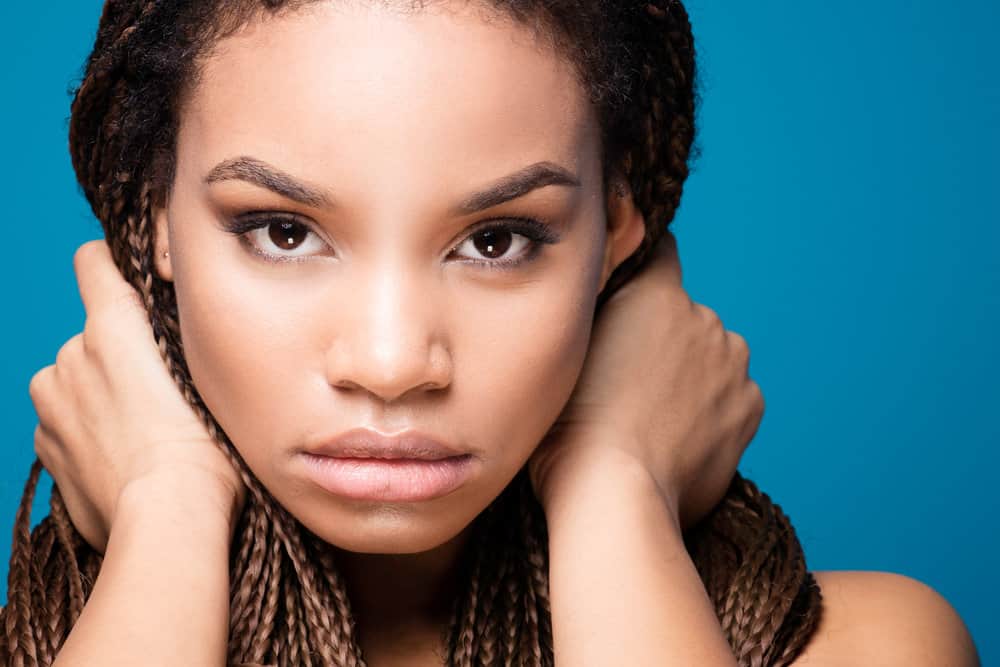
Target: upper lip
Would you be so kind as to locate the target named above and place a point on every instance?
(366, 443)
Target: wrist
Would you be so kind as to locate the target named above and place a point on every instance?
(599, 475)
(185, 497)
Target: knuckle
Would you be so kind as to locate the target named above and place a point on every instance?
(39, 381)
(711, 321)
(757, 398)
(68, 353)
(95, 330)
(740, 345)
(86, 253)
(707, 314)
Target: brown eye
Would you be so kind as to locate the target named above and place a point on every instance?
(277, 239)
(506, 245)
(287, 235)
(492, 243)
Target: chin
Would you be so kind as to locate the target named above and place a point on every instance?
(387, 528)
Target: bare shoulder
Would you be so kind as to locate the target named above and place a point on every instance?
(880, 618)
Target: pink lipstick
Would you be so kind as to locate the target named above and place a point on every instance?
(363, 464)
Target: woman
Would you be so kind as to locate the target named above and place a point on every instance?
(384, 233)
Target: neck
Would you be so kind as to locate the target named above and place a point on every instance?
(393, 592)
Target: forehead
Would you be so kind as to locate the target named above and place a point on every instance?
(440, 88)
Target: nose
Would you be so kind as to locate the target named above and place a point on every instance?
(390, 339)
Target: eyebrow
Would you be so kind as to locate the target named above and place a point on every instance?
(509, 187)
(516, 185)
(260, 173)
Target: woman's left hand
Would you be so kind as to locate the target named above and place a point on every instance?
(664, 390)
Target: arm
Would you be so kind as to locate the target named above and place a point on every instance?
(162, 595)
(648, 443)
(143, 482)
(623, 589)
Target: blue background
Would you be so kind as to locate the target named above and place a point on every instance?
(842, 217)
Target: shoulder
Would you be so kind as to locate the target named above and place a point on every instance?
(880, 618)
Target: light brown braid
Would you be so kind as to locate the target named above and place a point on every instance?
(288, 603)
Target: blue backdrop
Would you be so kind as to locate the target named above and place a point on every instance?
(842, 217)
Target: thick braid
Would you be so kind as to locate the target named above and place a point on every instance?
(246, 604)
(95, 136)
(518, 581)
(53, 572)
(462, 640)
(754, 571)
(802, 619)
(500, 557)
(20, 647)
(656, 165)
(259, 555)
(512, 594)
(40, 543)
(467, 646)
(70, 542)
(487, 617)
(264, 646)
(296, 646)
(343, 619)
(537, 607)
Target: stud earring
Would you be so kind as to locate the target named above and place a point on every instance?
(166, 253)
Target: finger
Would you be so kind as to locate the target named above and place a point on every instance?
(70, 353)
(42, 390)
(40, 383)
(100, 283)
(741, 349)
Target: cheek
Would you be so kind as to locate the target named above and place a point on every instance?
(527, 358)
(247, 360)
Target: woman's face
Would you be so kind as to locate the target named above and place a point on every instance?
(369, 143)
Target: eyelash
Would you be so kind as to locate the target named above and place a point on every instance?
(536, 233)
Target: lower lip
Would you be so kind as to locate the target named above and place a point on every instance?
(388, 480)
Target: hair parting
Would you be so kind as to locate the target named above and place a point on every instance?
(288, 602)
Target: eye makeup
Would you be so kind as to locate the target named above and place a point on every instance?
(256, 229)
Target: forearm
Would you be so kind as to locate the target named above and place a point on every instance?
(623, 588)
(162, 595)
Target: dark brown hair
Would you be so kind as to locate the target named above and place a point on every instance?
(288, 603)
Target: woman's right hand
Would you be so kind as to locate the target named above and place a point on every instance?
(113, 424)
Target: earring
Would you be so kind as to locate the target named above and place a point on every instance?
(166, 253)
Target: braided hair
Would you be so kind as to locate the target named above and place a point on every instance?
(288, 603)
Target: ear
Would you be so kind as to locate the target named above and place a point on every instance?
(626, 225)
(161, 244)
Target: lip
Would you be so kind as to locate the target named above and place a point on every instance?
(365, 443)
(363, 464)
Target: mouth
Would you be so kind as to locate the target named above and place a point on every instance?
(363, 464)
(389, 479)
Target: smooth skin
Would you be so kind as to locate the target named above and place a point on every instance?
(376, 308)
